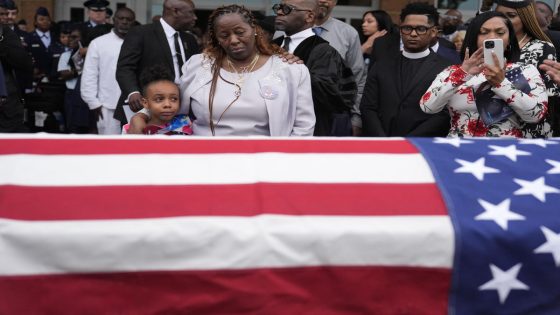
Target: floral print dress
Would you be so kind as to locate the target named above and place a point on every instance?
(534, 53)
(455, 89)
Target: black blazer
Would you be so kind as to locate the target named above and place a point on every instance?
(450, 54)
(389, 112)
(13, 58)
(145, 46)
(332, 86)
(390, 44)
(42, 56)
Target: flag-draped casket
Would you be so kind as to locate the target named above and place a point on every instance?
(172, 225)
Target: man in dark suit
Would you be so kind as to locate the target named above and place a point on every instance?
(13, 57)
(391, 45)
(10, 10)
(332, 83)
(451, 54)
(11, 17)
(164, 42)
(391, 102)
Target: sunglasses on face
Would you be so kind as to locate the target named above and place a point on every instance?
(286, 8)
(420, 30)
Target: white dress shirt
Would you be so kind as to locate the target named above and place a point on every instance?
(170, 33)
(299, 37)
(99, 84)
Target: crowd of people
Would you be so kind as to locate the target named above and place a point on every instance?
(301, 72)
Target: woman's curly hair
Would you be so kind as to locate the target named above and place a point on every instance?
(155, 73)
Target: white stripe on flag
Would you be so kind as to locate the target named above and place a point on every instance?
(177, 169)
(208, 243)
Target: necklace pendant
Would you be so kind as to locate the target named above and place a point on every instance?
(238, 92)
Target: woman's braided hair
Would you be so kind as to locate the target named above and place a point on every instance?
(213, 48)
(528, 17)
(216, 52)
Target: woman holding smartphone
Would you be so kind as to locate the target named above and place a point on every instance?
(464, 89)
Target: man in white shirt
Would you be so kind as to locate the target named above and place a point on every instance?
(99, 88)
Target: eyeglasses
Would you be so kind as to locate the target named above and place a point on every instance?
(286, 8)
(420, 30)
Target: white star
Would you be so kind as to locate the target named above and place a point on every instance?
(476, 168)
(555, 169)
(504, 281)
(500, 213)
(456, 142)
(552, 245)
(510, 151)
(537, 188)
(539, 142)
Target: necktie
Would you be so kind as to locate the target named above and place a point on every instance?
(178, 53)
(286, 45)
(317, 30)
(45, 39)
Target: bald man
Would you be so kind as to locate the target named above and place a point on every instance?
(164, 42)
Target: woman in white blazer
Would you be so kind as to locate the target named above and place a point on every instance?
(239, 85)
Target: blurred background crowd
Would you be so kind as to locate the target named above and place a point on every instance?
(42, 86)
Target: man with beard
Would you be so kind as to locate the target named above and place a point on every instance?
(164, 42)
(391, 103)
(332, 85)
(99, 88)
(345, 39)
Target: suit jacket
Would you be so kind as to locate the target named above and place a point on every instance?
(450, 54)
(389, 112)
(390, 45)
(385, 47)
(13, 58)
(332, 85)
(145, 46)
(286, 92)
(42, 56)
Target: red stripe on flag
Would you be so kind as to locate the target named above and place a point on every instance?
(141, 146)
(130, 202)
(313, 290)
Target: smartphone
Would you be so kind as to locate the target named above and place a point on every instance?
(497, 46)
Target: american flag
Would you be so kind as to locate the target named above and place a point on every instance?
(172, 225)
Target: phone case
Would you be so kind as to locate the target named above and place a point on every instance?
(498, 49)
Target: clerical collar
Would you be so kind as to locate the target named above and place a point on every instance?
(418, 55)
